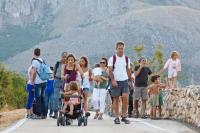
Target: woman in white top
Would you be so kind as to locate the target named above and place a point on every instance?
(84, 64)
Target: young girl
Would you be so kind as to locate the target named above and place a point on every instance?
(174, 66)
(72, 90)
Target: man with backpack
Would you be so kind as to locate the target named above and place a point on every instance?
(40, 75)
(119, 73)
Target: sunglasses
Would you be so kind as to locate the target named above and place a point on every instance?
(102, 62)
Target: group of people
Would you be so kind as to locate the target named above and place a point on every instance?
(125, 83)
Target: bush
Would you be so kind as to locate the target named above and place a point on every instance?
(12, 89)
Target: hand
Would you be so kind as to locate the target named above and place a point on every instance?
(114, 83)
(142, 65)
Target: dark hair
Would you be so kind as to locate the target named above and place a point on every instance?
(37, 52)
(71, 55)
(142, 58)
(64, 54)
(73, 86)
(96, 65)
(105, 60)
(154, 78)
(119, 44)
(86, 60)
(51, 68)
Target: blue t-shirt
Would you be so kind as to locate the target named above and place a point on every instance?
(50, 86)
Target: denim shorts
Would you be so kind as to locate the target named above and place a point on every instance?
(86, 90)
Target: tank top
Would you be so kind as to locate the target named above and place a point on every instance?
(86, 82)
(71, 74)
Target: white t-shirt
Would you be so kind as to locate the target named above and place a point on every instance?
(120, 72)
(36, 64)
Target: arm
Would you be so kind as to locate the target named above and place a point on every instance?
(111, 75)
(137, 72)
(80, 70)
(104, 78)
(63, 72)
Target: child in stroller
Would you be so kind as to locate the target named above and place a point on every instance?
(72, 106)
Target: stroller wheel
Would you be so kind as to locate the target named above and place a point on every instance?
(79, 121)
(59, 119)
(85, 121)
(68, 122)
(58, 122)
(63, 121)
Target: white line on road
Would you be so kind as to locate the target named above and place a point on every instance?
(15, 126)
(154, 126)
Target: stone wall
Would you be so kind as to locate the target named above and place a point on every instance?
(183, 104)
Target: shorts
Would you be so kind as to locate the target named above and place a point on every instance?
(161, 98)
(86, 90)
(140, 92)
(154, 100)
(172, 73)
(120, 89)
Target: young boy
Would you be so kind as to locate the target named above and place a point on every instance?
(154, 93)
(49, 95)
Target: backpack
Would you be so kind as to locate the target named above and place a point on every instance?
(56, 67)
(114, 61)
(44, 71)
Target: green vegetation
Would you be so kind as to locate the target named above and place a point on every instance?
(156, 61)
(12, 89)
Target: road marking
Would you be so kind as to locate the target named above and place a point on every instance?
(15, 126)
(154, 126)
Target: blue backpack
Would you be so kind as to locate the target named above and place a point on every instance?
(44, 71)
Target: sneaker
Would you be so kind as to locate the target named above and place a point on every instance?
(44, 117)
(125, 120)
(32, 116)
(38, 117)
(51, 115)
(130, 116)
(144, 116)
(117, 121)
(55, 117)
(28, 116)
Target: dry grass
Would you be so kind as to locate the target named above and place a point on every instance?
(7, 117)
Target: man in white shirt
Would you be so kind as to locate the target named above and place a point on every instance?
(120, 73)
(40, 85)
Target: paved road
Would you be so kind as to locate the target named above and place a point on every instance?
(105, 126)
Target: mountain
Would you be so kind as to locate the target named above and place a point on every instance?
(92, 28)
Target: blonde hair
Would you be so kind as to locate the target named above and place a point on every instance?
(73, 85)
(174, 53)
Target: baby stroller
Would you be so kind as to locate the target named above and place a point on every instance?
(66, 119)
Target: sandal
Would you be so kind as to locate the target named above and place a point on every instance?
(136, 115)
(100, 117)
(96, 116)
(117, 121)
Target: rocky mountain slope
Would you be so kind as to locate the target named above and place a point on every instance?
(93, 27)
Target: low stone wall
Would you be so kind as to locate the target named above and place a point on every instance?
(183, 104)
